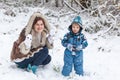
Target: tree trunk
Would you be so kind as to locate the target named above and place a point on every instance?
(42, 2)
(58, 3)
(52, 2)
(85, 3)
(46, 1)
(74, 4)
(116, 1)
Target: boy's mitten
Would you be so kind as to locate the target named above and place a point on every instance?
(78, 48)
(70, 47)
(73, 53)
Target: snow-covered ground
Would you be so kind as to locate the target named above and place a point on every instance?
(101, 57)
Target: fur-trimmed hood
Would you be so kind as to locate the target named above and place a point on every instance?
(31, 20)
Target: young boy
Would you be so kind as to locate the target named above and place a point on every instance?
(75, 42)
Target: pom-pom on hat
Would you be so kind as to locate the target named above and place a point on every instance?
(77, 20)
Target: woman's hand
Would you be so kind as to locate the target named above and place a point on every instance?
(50, 39)
(28, 41)
(51, 36)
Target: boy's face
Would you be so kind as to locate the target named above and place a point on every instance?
(75, 28)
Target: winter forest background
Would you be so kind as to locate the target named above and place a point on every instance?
(101, 20)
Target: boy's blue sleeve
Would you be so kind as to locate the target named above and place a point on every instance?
(64, 41)
(84, 42)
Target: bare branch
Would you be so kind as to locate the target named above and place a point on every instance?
(70, 7)
(80, 4)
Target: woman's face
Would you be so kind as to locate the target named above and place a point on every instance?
(39, 26)
(75, 28)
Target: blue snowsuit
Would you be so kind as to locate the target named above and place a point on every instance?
(77, 59)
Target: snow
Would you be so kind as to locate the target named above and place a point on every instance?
(101, 57)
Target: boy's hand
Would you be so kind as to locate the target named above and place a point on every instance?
(70, 47)
(78, 48)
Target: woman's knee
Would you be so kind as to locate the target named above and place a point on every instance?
(47, 60)
(43, 52)
(45, 49)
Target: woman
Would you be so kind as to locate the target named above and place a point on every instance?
(31, 48)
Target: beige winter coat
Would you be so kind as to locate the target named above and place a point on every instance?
(19, 53)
